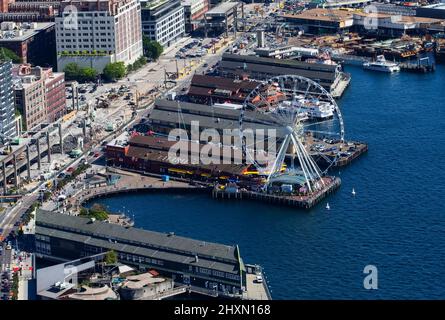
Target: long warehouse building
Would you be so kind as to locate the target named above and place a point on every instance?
(329, 76)
(197, 263)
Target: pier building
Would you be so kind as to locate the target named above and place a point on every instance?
(202, 265)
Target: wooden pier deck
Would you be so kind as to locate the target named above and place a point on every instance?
(303, 202)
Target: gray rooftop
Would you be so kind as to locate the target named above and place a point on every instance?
(183, 113)
(222, 8)
(26, 33)
(137, 241)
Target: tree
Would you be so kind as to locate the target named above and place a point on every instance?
(114, 71)
(10, 55)
(110, 257)
(88, 74)
(74, 72)
(152, 49)
(98, 211)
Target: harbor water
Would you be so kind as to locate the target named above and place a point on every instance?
(395, 221)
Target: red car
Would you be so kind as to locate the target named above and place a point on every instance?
(70, 169)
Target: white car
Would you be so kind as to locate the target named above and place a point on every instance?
(259, 279)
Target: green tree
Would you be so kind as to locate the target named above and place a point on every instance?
(152, 49)
(88, 74)
(72, 71)
(10, 55)
(98, 211)
(110, 257)
(114, 71)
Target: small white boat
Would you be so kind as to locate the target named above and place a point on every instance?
(353, 192)
(328, 207)
(382, 65)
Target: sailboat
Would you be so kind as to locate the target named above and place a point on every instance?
(353, 192)
(328, 207)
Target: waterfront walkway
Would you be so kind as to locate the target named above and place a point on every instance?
(128, 182)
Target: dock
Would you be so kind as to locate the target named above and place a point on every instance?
(297, 201)
(417, 67)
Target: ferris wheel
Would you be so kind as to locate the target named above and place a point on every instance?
(303, 124)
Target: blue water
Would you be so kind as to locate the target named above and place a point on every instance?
(396, 221)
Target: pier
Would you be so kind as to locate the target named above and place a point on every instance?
(298, 201)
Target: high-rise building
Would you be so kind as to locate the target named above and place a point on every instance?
(98, 32)
(163, 21)
(7, 111)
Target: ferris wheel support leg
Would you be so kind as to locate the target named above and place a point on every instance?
(310, 162)
(302, 162)
(279, 159)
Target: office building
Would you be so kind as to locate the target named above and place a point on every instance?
(100, 32)
(163, 21)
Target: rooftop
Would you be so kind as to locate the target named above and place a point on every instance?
(320, 14)
(11, 31)
(137, 241)
(222, 8)
(142, 280)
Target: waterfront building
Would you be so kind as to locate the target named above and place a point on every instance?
(392, 26)
(209, 89)
(151, 154)
(7, 114)
(315, 21)
(394, 9)
(32, 42)
(163, 21)
(331, 4)
(201, 264)
(321, 21)
(330, 76)
(100, 32)
(194, 11)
